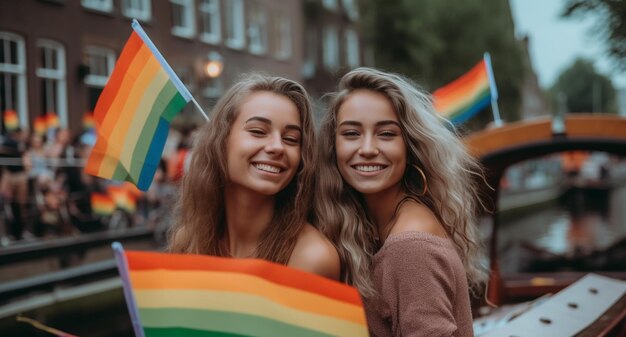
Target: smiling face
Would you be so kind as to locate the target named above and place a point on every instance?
(371, 153)
(263, 147)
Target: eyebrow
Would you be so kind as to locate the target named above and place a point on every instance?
(269, 122)
(381, 123)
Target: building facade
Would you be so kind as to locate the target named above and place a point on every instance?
(56, 55)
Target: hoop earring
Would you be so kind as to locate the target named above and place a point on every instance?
(423, 178)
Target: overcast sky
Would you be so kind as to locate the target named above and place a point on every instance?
(555, 43)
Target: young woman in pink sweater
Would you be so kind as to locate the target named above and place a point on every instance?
(397, 195)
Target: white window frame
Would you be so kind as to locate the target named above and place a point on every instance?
(257, 29)
(351, 41)
(331, 5)
(214, 87)
(19, 70)
(188, 27)
(283, 47)
(350, 7)
(57, 74)
(211, 9)
(310, 60)
(235, 23)
(105, 6)
(98, 80)
(331, 48)
(138, 9)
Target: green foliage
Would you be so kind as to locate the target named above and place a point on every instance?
(436, 41)
(585, 89)
(610, 26)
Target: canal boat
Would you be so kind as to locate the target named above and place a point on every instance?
(500, 148)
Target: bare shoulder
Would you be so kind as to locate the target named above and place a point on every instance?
(417, 217)
(314, 253)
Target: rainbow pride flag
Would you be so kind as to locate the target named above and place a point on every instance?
(11, 121)
(88, 121)
(123, 197)
(52, 121)
(134, 112)
(464, 97)
(199, 295)
(40, 125)
(102, 204)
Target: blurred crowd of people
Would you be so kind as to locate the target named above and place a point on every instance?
(45, 193)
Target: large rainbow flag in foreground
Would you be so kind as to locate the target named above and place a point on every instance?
(133, 113)
(199, 295)
(464, 97)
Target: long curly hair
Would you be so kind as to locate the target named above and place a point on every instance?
(452, 176)
(200, 211)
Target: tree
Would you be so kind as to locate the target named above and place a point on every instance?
(585, 89)
(611, 26)
(436, 41)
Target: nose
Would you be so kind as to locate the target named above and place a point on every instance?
(275, 144)
(368, 147)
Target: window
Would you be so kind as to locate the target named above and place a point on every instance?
(310, 60)
(99, 5)
(257, 29)
(13, 77)
(330, 5)
(352, 48)
(183, 18)
(186, 77)
(139, 9)
(331, 48)
(234, 24)
(351, 9)
(51, 72)
(210, 21)
(282, 37)
(100, 62)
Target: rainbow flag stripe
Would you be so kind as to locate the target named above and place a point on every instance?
(102, 204)
(133, 113)
(197, 295)
(11, 121)
(40, 125)
(123, 198)
(52, 121)
(88, 121)
(464, 97)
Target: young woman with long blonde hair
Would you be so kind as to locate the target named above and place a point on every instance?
(248, 190)
(397, 195)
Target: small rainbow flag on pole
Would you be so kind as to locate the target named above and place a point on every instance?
(52, 121)
(464, 97)
(199, 295)
(40, 125)
(11, 121)
(134, 112)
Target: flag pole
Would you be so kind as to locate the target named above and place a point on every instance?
(177, 82)
(131, 303)
(494, 91)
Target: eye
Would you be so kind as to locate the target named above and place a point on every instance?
(292, 140)
(350, 133)
(257, 132)
(387, 133)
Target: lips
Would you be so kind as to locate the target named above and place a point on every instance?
(267, 167)
(369, 167)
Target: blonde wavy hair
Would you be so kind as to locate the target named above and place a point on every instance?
(200, 217)
(452, 176)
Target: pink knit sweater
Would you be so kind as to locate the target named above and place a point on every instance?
(422, 289)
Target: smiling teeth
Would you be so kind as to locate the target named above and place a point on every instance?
(369, 168)
(267, 168)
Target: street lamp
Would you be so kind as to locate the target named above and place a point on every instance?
(214, 66)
